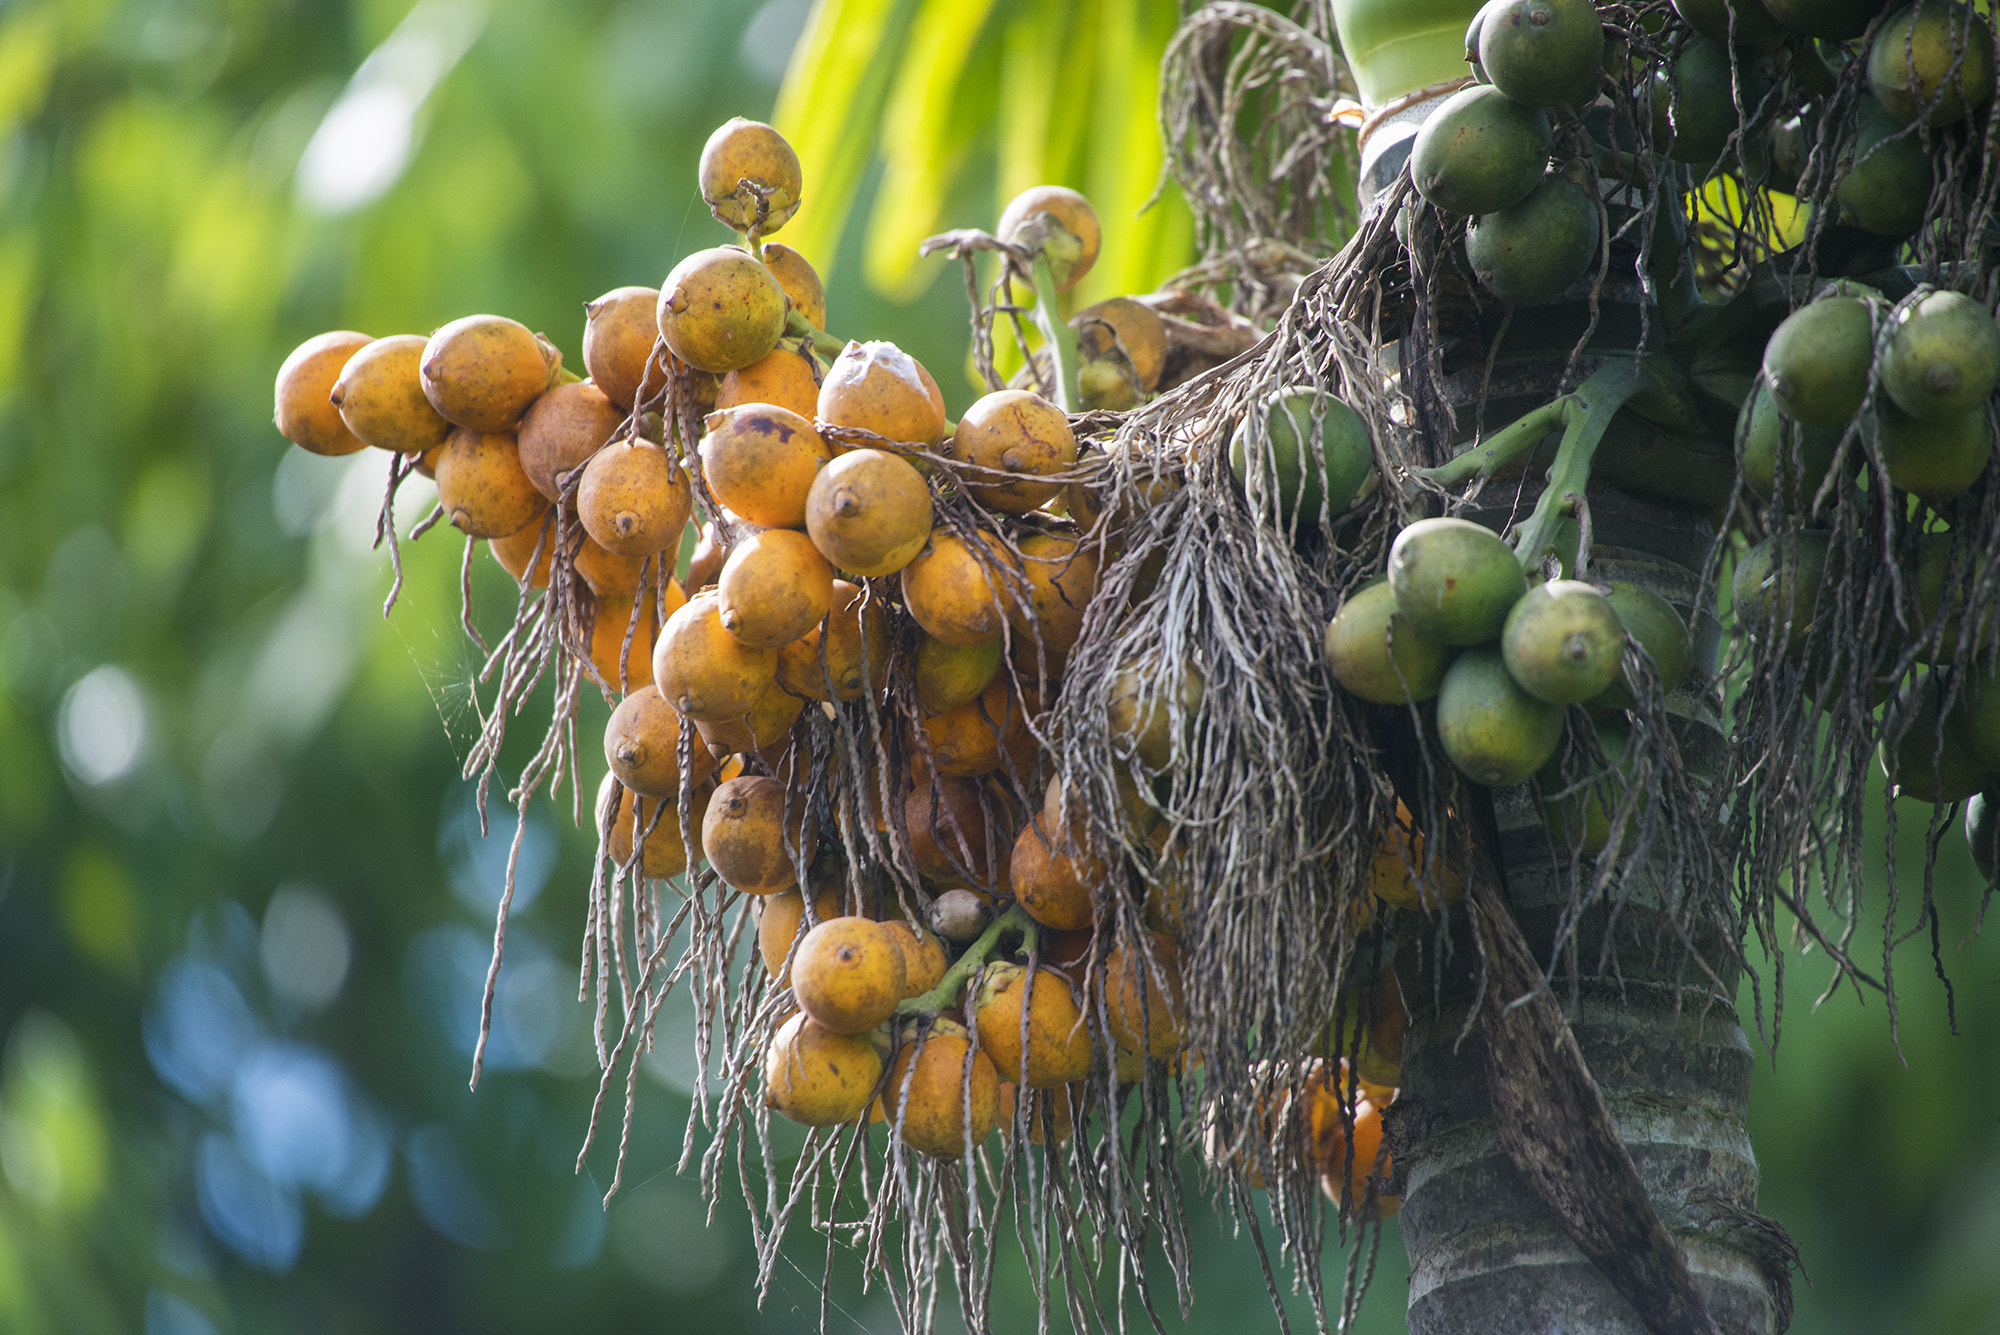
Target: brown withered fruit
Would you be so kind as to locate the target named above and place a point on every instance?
(1075, 214)
(703, 670)
(720, 309)
(562, 429)
(752, 831)
(852, 646)
(482, 371)
(869, 512)
(786, 377)
(749, 176)
(952, 840)
(954, 591)
(305, 413)
(634, 499)
(800, 281)
(760, 461)
(482, 487)
(880, 388)
(642, 743)
(619, 331)
(1013, 441)
(380, 396)
(774, 588)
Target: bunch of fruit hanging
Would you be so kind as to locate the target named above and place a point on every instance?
(1082, 769)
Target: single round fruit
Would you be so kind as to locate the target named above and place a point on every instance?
(755, 835)
(634, 499)
(611, 621)
(817, 1077)
(1694, 100)
(482, 487)
(787, 377)
(976, 738)
(869, 512)
(960, 916)
(1817, 361)
(1777, 584)
(482, 371)
(779, 919)
(1011, 999)
(1061, 575)
(1660, 631)
(1562, 642)
(720, 309)
(652, 828)
(1944, 358)
(1143, 994)
(761, 462)
(1765, 451)
(1122, 327)
(1576, 815)
(774, 588)
(1052, 872)
(950, 675)
(800, 281)
(1147, 715)
(852, 647)
(1495, 732)
(952, 841)
(956, 591)
(941, 1094)
(562, 429)
(1480, 151)
(924, 957)
(704, 671)
(1403, 877)
(1376, 654)
(1454, 581)
(1316, 451)
(1888, 187)
(1539, 248)
(1932, 61)
(380, 395)
(306, 414)
(880, 388)
(642, 743)
(1073, 212)
(1935, 460)
(516, 550)
(619, 331)
(749, 176)
(848, 974)
(1543, 52)
(1009, 442)
(1922, 760)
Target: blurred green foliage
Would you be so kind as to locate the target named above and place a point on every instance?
(244, 906)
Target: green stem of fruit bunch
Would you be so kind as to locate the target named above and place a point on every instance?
(823, 343)
(1015, 922)
(1058, 337)
(1583, 416)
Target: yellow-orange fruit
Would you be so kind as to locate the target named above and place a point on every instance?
(619, 331)
(482, 371)
(950, 675)
(880, 388)
(869, 512)
(774, 588)
(562, 429)
(1052, 872)
(1124, 325)
(786, 377)
(703, 670)
(720, 309)
(954, 591)
(1401, 876)
(751, 838)
(305, 412)
(380, 396)
(514, 551)
(633, 499)
(1144, 996)
(425, 464)
(749, 151)
(1351, 1183)
(856, 632)
(976, 738)
(952, 841)
(800, 281)
(926, 1093)
(817, 1077)
(642, 743)
(761, 461)
(1142, 715)
(765, 724)
(1053, 1114)
(849, 974)
(1058, 1049)
(1062, 579)
(1073, 211)
(652, 826)
(481, 485)
(609, 625)
(608, 574)
(779, 918)
(1011, 441)
(924, 958)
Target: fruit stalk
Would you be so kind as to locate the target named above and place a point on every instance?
(1060, 338)
(1015, 921)
(797, 326)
